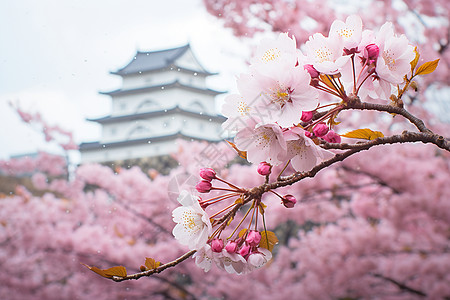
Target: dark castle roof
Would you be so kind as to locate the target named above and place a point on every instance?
(154, 60)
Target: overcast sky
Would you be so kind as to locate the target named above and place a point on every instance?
(55, 56)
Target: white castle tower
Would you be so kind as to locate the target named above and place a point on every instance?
(163, 98)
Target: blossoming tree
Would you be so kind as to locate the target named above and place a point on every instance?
(279, 120)
(346, 225)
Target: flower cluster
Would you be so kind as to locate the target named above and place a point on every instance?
(239, 256)
(278, 119)
(242, 251)
(275, 115)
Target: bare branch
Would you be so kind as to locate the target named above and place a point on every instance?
(156, 270)
(401, 285)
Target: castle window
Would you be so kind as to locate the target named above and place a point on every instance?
(196, 106)
(147, 105)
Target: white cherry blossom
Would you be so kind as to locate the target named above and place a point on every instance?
(193, 225)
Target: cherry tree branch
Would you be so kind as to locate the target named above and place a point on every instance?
(355, 103)
(401, 285)
(156, 270)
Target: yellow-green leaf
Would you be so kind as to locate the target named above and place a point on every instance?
(239, 200)
(365, 134)
(242, 232)
(427, 67)
(415, 60)
(268, 240)
(109, 273)
(262, 208)
(151, 264)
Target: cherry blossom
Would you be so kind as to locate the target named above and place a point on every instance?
(350, 32)
(302, 151)
(273, 54)
(325, 54)
(262, 143)
(285, 93)
(193, 226)
(395, 54)
(204, 258)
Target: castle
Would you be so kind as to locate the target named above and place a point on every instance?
(163, 98)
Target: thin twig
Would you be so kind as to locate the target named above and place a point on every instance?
(156, 270)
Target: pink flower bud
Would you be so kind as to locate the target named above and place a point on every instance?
(289, 201)
(253, 238)
(245, 250)
(312, 71)
(332, 137)
(320, 129)
(231, 247)
(203, 186)
(371, 52)
(264, 168)
(308, 134)
(217, 245)
(207, 174)
(307, 116)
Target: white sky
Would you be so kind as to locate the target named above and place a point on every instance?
(55, 56)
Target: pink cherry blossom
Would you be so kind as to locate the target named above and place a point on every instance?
(273, 54)
(262, 143)
(207, 174)
(349, 32)
(264, 168)
(204, 258)
(325, 54)
(284, 94)
(302, 151)
(288, 201)
(203, 186)
(253, 238)
(258, 259)
(217, 245)
(320, 129)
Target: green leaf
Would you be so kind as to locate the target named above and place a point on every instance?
(268, 240)
(365, 134)
(119, 271)
(427, 67)
(151, 264)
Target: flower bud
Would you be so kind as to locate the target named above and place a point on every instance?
(207, 174)
(253, 238)
(288, 201)
(307, 116)
(371, 52)
(320, 129)
(203, 186)
(308, 134)
(312, 71)
(217, 245)
(231, 247)
(332, 137)
(245, 250)
(264, 168)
